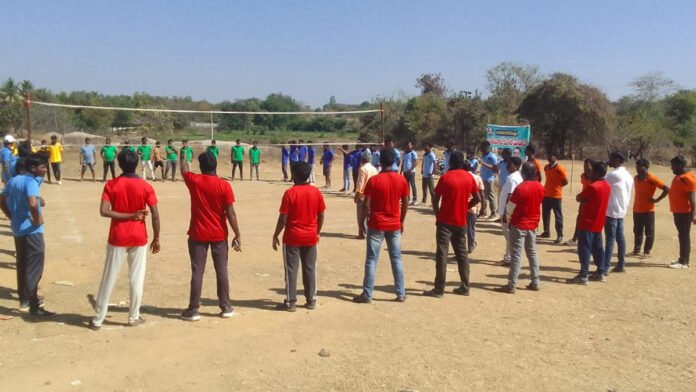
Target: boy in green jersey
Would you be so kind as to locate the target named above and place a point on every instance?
(254, 160)
(186, 151)
(127, 146)
(213, 149)
(238, 159)
(108, 154)
(171, 153)
(145, 154)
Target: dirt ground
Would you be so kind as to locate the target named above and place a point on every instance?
(632, 333)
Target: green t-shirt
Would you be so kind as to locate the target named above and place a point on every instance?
(109, 152)
(124, 148)
(255, 155)
(145, 152)
(171, 153)
(213, 150)
(237, 153)
(189, 153)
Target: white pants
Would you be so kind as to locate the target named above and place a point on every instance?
(137, 258)
(148, 164)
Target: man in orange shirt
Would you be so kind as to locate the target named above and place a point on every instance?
(644, 207)
(530, 152)
(556, 179)
(682, 200)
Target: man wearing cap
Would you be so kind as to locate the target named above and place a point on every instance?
(367, 171)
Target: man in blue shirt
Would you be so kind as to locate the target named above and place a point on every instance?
(7, 157)
(408, 169)
(427, 171)
(503, 172)
(389, 144)
(326, 162)
(21, 203)
(87, 158)
(284, 159)
(355, 164)
(294, 157)
(311, 154)
(375, 156)
(472, 160)
(302, 151)
(489, 166)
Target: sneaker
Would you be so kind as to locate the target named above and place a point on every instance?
(362, 299)
(190, 315)
(533, 287)
(25, 305)
(571, 243)
(578, 279)
(618, 269)
(678, 265)
(635, 253)
(286, 307)
(311, 305)
(60, 183)
(645, 256)
(41, 312)
(415, 203)
(227, 312)
(93, 326)
(461, 291)
(559, 240)
(400, 298)
(507, 289)
(598, 277)
(137, 322)
(433, 293)
(504, 262)
(544, 235)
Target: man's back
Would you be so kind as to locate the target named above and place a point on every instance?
(128, 193)
(385, 191)
(302, 203)
(456, 187)
(210, 197)
(621, 183)
(527, 198)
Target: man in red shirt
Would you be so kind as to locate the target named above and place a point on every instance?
(124, 201)
(454, 190)
(594, 200)
(302, 216)
(523, 212)
(212, 206)
(386, 196)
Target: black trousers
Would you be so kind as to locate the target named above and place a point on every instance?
(456, 235)
(547, 206)
(30, 266)
(644, 223)
(683, 223)
(56, 170)
(109, 166)
(198, 251)
(293, 256)
(240, 165)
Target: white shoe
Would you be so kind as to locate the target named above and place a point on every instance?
(415, 203)
(60, 183)
(678, 265)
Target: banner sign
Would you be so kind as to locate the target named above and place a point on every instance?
(514, 137)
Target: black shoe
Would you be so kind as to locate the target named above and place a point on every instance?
(461, 291)
(544, 235)
(93, 326)
(311, 305)
(507, 289)
(618, 269)
(286, 307)
(433, 293)
(24, 305)
(361, 299)
(41, 312)
(533, 287)
(400, 298)
(190, 315)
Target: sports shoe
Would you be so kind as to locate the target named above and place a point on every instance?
(25, 305)
(461, 291)
(60, 183)
(286, 307)
(645, 256)
(618, 269)
(507, 289)
(400, 298)
(635, 253)
(559, 240)
(190, 315)
(533, 287)
(137, 322)
(415, 203)
(362, 299)
(41, 312)
(578, 279)
(93, 326)
(544, 235)
(227, 312)
(311, 305)
(504, 262)
(571, 243)
(598, 277)
(433, 293)
(678, 265)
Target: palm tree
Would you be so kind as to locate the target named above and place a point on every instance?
(25, 88)
(9, 92)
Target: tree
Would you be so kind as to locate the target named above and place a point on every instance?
(652, 86)
(467, 116)
(680, 110)
(424, 116)
(508, 83)
(10, 106)
(567, 113)
(432, 83)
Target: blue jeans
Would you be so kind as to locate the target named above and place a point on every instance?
(614, 231)
(374, 243)
(471, 230)
(411, 180)
(590, 244)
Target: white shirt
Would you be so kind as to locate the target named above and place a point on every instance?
(479, 184)
(513, 180)
(621, 183)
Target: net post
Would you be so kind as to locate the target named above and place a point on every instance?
(27, 105)
(212, 127)
(572, 169)
(381, 121)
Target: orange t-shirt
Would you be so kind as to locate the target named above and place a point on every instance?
(555, 177)
(645, 189)
(682, 185)
(539, 169)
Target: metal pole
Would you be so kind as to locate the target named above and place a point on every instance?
(27, 105)
(381, 120)
(212, 130)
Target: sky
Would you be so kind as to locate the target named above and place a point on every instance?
(352, 49)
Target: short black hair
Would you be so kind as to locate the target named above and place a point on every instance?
(143, 139)
(599, 169)
(54, 137)
(302, 170)
(127, 161)
(643, 162)
(386, 158)
(617, 156)
(456, 160)
(238, 141)
(207, 162)
(34, 160)
(517, 162)
(213, 141)
(530, 149)
(388, 139)
(24, 149)
(485, 144)
(678, 160)
(529, 170)
(170, 141)
(429, 145)
(467, 165)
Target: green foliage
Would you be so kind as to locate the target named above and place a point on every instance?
(680, 110)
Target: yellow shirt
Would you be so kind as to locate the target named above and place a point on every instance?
(55, 153)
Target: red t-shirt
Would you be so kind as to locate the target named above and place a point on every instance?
(593, 212)
(527, 198)
(302, 204)
(210, 197)
(455, 187)
(128, 194)
(385, 192)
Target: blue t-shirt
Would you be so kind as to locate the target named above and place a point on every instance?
(446, 157)
(355, 159)
(487, 174)
(13, 166)
(397, 160)
(311, 153)
(428, 164)
(284, 154)
(302, 153)
(16, 192)
(502, 173)
(294, 154)
(375, 158)
(87, 151)
(327, 157)
(474, 165)
(410, 158)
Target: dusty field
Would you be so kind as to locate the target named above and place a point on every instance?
(633, 333)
